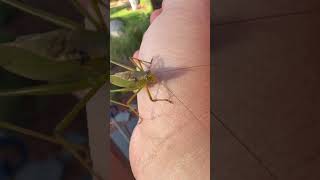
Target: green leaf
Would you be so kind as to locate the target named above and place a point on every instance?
(87, 48)
(48, 89)
(63, 45)
(30, 65)
(60, 21)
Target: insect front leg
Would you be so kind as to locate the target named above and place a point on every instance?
(135, 64)
(140, 62)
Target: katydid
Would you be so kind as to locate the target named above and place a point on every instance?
(133, 80)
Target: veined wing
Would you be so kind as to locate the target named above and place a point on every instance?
(123, 79)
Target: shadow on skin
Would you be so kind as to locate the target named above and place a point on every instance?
(163, 75)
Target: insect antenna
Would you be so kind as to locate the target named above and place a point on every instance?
(183, 68)
(174, 95)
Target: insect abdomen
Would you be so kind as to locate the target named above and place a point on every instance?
(123, 79)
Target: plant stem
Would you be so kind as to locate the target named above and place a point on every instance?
(11, 127)
(71, 115)
(103, 3)
(41, 136)
(95, 5)
(85, 13)
(60, 21)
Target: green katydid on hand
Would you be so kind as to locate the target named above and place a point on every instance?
(133, 80)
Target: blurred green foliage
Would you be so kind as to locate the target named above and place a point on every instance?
(11, 108)
(6, 12)
(135, 24)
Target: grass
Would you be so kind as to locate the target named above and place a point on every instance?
(135, 24)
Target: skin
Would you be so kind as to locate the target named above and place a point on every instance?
(173, 140)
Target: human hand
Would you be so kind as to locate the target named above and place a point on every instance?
(173, 140)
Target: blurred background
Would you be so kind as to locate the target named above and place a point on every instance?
(23, 157)
(26, 158)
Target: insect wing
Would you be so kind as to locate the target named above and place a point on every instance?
(123, 79)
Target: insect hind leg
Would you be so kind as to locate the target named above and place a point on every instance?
(127, 106)
(155, 99)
